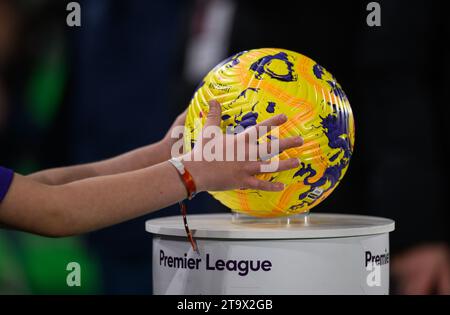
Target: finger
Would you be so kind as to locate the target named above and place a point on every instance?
(419, 284)
(215, 110)
(275, 147)
(291, 142)
(181, 118)
(443, 286)
(265, 126)
(254, 183)
(273, 166)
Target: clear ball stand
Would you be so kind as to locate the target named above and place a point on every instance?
(301, 219)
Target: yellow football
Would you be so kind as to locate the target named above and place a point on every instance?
(254, 85)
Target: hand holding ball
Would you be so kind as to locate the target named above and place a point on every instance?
(255, 85)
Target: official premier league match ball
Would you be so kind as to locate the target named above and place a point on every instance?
(255, 85)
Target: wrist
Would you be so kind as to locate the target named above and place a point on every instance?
(165, 148)
(197, 172)
(189, 175)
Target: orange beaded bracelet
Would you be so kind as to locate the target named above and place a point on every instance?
(191, 189)
(187, 178)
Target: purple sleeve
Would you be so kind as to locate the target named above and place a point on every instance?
(6, 177)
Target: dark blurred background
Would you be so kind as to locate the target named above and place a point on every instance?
(77, 94)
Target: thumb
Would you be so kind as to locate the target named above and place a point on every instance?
(215, 111)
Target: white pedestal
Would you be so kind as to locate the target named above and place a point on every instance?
(325, 254)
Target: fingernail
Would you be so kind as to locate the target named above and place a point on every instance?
(296, 162)
(283, 117)
(299, 140)
(280, 186)
(213, 103)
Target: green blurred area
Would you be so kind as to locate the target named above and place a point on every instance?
(46, 87)
(32, 264)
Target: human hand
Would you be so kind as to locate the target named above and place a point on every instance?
(232, 168)
(423, 270)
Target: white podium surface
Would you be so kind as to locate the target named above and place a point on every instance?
(327, 254)
(319, 226)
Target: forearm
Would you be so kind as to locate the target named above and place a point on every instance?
(93, 203)
(137, 159)
(89, 204)
(127, 162)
